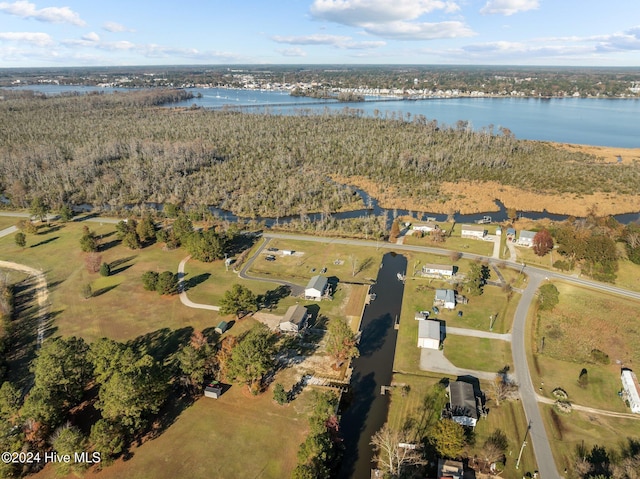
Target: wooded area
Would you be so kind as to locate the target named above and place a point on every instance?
(114, 150)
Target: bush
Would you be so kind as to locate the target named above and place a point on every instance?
(564, 265)
(105, 269)
(280, 395)
(548, 297)
(21, 239)
(87, 291)
(599, 357)
(150, 280)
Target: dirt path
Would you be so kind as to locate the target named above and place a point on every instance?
(42, 293)
(591, 410)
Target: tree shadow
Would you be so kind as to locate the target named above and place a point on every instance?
(108, 245)
(162, 343)
(48, 240)
(50, 229)
(118, 266)
(374, 335)
(195, 281)
(271, 298)
(101, 291)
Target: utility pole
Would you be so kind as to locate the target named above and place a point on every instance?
(524, 443)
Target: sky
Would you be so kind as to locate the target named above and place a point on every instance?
(55, 33)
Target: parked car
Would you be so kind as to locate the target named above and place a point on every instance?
(272, 249)
(436, 310)
(323, 270)
(270, 258)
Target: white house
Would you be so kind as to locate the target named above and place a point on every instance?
(631, 389)
(426, 227)
(316, 287)
(429, 334)
(473, 231)
(438, 270)
(526, 238)
(295, 319)
(445, 298)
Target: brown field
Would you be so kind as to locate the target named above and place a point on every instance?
(478, 196)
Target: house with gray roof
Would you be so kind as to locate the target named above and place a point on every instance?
(526, 238)
(463, 405)
(445, 298)
(295, 319)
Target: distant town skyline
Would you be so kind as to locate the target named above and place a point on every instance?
(60, 33)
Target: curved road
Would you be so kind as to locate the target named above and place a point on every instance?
(184, 299)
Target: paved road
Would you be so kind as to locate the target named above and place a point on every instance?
(42, 294)
(474, 333)
(296, 289)
(8, 231)
(183, 294)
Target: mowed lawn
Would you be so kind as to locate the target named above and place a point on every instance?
(121, 309)
(583, 321)
(478, 354)
(236, 436)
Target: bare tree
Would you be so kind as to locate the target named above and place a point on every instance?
(393, 452)
(504, 388)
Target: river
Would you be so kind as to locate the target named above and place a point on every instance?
(367, 410)
(587, 121)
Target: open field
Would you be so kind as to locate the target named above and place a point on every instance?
(455, 242)
(309, 258)
(478, 354)
(568, 431)
(6, 222)
(425, 400)
(585, 320)
(211, 439)
(120, 309)
(607, 154)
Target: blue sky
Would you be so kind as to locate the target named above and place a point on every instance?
(41, 33)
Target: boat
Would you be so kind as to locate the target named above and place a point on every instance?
(485, 220)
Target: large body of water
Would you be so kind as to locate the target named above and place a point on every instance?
(589, 121)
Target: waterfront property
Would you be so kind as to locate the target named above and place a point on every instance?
(316, 288)
(425, 227)
(445, 298)
(526, 238)
(429, 334)
(473, 231)
(631, 389)
(463, 405)
(438, 270)
(295, 319)
(511, 234)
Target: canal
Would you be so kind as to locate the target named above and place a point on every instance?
(367, 410)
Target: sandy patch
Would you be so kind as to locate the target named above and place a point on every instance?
(607, 154)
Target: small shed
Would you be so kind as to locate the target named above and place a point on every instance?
(221, 327)
(294, 320)
(429, 334)
(213, 390)
(316, 287)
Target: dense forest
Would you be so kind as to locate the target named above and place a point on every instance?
(118, 149)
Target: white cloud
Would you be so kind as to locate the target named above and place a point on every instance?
(25, 9)
(292, 52)
(34, 38)
(509, 7)
(116, 27)
(396, 20)
(332, 40)
(91, 37)
(419, 31)
(357, 12)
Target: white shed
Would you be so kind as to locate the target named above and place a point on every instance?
(316, 287)
(429, 334)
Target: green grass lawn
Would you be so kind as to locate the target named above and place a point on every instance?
(454, 243)
(628, 275)
(568, 431)
(478, 354)
(121, 309)
(8, 221)
(236, 436)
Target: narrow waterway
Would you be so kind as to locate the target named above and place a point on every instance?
(367, 410)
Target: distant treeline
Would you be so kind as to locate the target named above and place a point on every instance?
(119, 149)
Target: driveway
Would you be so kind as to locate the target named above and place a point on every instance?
(434, 360)
(184, 299)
